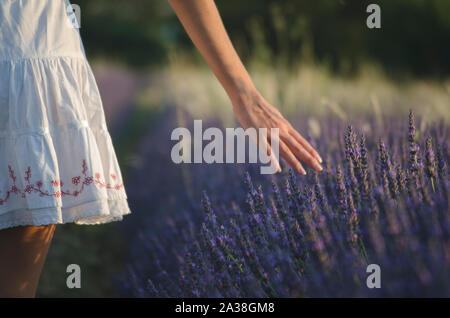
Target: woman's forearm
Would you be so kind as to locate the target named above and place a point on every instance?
(202, 22)
(204, 26)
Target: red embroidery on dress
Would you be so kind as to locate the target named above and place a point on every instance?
(84, 180)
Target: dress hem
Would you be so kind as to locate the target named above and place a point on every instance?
(94, 217)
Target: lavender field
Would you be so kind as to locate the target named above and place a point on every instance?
(226, 231)
(200, 230)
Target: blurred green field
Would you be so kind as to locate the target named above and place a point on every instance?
(308, 89)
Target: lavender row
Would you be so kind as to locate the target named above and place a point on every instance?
(381, 199)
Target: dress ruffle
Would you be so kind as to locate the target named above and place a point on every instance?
(57, 160)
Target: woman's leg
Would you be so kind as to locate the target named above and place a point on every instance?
(23, 251)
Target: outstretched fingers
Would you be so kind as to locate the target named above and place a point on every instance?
(306, 145)
(302, 153)
(287, 154)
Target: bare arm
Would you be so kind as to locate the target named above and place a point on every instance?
(202, 22)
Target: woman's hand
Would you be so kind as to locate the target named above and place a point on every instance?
(252, 110)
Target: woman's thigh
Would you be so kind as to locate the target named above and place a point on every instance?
(23, 251)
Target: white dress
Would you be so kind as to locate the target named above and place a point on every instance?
(57, 161)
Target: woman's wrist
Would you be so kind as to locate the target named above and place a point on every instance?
(242, 92)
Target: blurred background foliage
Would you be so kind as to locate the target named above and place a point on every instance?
(414, 38)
